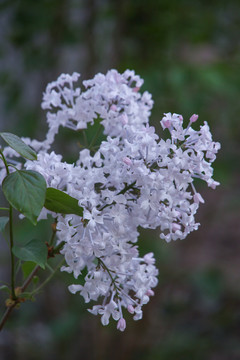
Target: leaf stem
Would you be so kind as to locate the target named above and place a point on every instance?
(4, 161)
(13, 166)
(23, 287)
(54, 230)
(17, 300)
(95, 137)
(49, 277)
(10, 237)
(85, 138)
(12, 256)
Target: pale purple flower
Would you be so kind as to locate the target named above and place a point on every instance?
(134, 179)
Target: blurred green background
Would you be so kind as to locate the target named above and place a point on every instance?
(188, 53)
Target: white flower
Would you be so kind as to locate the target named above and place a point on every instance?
(107, 311)
(135, 179)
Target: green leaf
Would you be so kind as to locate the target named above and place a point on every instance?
(19, 146)
(25, 191)
(35, 279)
(62, 203)
(26, 295)
(3, 222)
(35, 251)
(5, 288)
(27, 268)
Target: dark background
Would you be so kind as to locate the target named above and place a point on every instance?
(188, 53)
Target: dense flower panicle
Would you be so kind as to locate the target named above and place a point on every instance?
(113, 97)
(133, 179)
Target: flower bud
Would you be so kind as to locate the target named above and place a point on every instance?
(150, 293)
(121, 325)
(113, 107)
(136, 89)
(127, 161)
(193, 118)
(130, 309)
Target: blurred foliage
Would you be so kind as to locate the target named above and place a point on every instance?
(188, 54)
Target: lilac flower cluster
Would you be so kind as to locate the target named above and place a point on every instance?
(133, 179)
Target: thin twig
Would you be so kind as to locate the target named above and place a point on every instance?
(30, 277)
(16, 300)
(12, 255)
(10, 236)
(23, 287)
(49, 278)
(6, 315)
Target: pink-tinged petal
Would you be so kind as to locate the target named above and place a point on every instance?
(127, 161)
(113, 107)
(121, 325)
(167, 123)
(193, 118)
(130, 309)
(150, 292)
(176, 227)
(136, 89)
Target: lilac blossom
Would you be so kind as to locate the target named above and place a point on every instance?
(142, 181)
